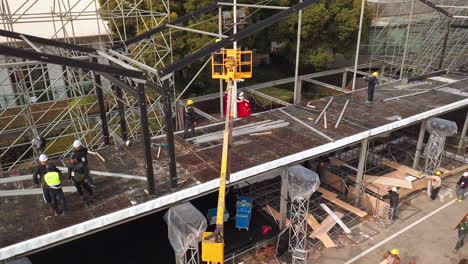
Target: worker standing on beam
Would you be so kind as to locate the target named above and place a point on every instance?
(53, 180)
(189, 119)
(81, 154)
(79, 174)
(38, 174)
(371, 86)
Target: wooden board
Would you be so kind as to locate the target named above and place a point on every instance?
(326, 225)
(454, 171)
(403, 168)
(314, 224)
(346, 206)
(326, 192)
(372, 203)
(388, 181)
(332, 180)
(337, 162)
(275, 214)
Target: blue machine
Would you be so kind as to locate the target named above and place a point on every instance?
(212, 215)
(244, 212)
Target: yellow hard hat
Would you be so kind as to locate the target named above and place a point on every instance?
(218, 40)
(438, 173)
(395, 251)
(375, 74)
(189, 102)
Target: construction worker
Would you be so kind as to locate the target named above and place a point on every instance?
(391, 257)
(436, 183)
(462, 229)
(371, 86)
(79, 174)
(394, 198)
(53, 181)
(461, 187)
(38, 174)
(81, 154)
(189, 119)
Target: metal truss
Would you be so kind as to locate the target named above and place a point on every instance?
(433, 152)
(298, 230)
(414, 37)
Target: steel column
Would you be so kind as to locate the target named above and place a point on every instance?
(417, 155)
(361, 166)
(146, 137)
(358, 44)
(343, 82)
(283, 199)
(120, 106)
(297, 86)
(102, 108)
(170, 133)
(461, 144)
(444, 47)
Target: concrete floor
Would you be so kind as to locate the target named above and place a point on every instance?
(431, 241)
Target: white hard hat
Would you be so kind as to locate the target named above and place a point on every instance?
(76, 143)
(394, 189)
(465, 173)
(43, 157)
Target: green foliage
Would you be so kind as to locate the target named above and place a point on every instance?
(87, 100)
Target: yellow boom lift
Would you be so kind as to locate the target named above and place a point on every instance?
(229, 65)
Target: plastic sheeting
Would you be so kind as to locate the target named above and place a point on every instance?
(442, 127)
(302, 182)
(185, 227)
(20, 261)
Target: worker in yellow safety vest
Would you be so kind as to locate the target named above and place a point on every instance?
(53, 181)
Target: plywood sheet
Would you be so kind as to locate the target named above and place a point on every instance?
(403, 168)
(326, 225)
(454, 171)
(314, 224)
(326, 192)
(334, 181)
(389, 181)
(346, 206)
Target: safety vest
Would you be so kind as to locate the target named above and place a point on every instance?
(52, 179)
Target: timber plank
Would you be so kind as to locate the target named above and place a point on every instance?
(326, 192)
(454, 171)
(389, 181)
(403, 168)
(326, 225)
(345, 205)
(314, 224)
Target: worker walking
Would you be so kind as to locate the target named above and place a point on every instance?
(79, 174)
(371, 86)
(391, 257)
(189, 119)
(461, 187)
(81, 154)
(38, 174)
(53, 180)
(462, 229)
(436, 183)
(394, 198)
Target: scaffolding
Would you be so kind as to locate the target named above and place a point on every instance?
(414, 37)
(60, 103)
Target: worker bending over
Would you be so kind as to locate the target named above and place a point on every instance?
(79, 174)
(391, 257)
(189, 120)
(394, 198)
(38, 175)
(371, 86)
(53, 181)
(81, 154)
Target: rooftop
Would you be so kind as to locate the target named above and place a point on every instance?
(121, 193)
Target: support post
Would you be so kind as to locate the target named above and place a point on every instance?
(461, 144)
(360, 172)
(221, 89)
(444, 47)
(417, 155)
(343, 82)
(120, 106)
(234, 46)
(170, 133)
(283, 199)
(146, 137)
(297, 85)
(358, 44)
(102, 108)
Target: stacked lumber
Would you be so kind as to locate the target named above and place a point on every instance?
(332, 197)
(253, 128)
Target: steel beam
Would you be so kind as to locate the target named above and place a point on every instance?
(361, 166)
(417, 155)
(216, 35)
(283, 199)
(462, 143)
(297, 85)
(235, 37)
(254, 6)
(444, 47)
(146, 137)
(102, 108)
(120, 84)
(120, 106)
(268, 97)
(170, 133)
(53, 59)
(441, 10)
